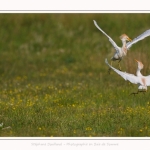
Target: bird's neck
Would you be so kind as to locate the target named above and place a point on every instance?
(138, 72)
(124, 48)
(124, 43)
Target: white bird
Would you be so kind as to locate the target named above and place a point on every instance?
(142, 81)
(122, 51)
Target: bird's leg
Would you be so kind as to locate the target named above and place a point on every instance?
(119, 64)
(144, 91)
(109, 70)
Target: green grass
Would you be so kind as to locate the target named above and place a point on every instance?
(54, 81)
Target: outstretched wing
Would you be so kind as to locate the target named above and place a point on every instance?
(148, 80)
(110, 39)
(140, 37)
(130, 77)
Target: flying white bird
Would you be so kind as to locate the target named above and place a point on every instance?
(142, 81)
(122, 51)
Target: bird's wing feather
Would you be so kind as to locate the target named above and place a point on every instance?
(148, 80)
(110, 39)
(130, 77)
(140, 37)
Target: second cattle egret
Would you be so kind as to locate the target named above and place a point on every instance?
(142, 81)
(122, 51)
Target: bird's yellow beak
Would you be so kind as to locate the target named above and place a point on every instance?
(129, 39)
(136, 60)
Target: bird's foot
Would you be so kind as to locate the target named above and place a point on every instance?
(119, 68)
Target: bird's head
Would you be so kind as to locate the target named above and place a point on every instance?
(124, 37)
(140, 65)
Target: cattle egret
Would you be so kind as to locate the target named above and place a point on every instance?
(142, 81)
(122, 51)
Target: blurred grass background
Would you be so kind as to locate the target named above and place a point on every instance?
(54, 81)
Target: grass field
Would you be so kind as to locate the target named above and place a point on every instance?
(54, 81)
